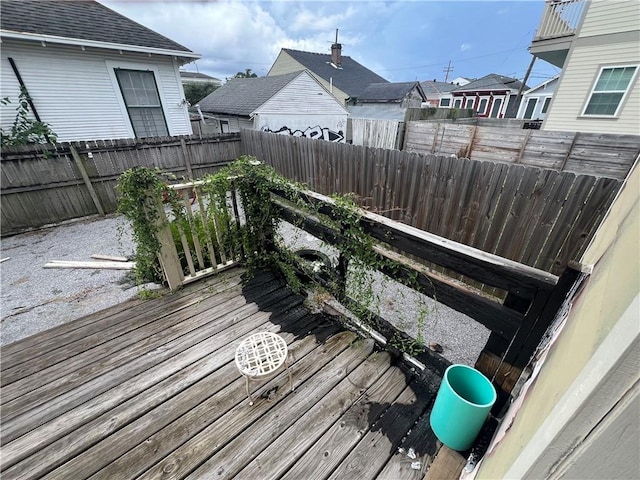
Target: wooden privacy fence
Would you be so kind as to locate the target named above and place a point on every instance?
(603, 155)
(375, 133)
(43, 184)
(542, 218)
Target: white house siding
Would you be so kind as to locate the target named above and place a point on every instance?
(303, 108)
(574, 88)
(74, 93)
(540, 93)
(606, 17)
(285, 63)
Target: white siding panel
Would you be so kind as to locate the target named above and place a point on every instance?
(575, 86)
(302, 96)
(74, 92)
(285, 63)
(317, 126)
(607, 16)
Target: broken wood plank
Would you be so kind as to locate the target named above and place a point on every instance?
(447, 464)
(111, 258)
(101, 265)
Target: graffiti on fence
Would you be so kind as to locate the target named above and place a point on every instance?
(316, 132)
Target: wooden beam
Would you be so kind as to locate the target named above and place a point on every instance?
(100, 265)
(447, 465)
(484, 267)
(496, 317)
(87, 180)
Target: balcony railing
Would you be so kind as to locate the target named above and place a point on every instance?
(560, 19)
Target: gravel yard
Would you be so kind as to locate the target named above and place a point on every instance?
(36, 298)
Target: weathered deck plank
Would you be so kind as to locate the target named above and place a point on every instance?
(321, 458)
(161, 397)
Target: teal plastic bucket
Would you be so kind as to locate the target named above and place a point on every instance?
(462, 405)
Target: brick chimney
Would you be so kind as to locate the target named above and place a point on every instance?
(336, 52)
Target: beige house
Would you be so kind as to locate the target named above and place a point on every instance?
(341, 75)
(595, 43)
(578, 415)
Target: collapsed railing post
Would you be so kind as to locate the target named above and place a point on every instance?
(168, 254)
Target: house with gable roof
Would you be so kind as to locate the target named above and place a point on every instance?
(536, 101)
(387, 101)
(341, 75)
(493, 95)
(91, 73)
(294, 104)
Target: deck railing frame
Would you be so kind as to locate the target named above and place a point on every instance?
(560, 18)
(517, 324)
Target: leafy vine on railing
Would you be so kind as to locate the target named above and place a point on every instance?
(257, 241)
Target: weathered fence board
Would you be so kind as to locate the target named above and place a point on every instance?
(605, 155)
(542, 218)
(375, 133)
(41, 185)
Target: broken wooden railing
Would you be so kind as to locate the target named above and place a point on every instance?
(206, 248)
(517, 324)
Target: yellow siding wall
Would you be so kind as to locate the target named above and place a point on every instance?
(575, 86)
(287, 64)
(610, 16)
(612, 287)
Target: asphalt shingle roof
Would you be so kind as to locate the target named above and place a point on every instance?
(431, 87)
(386, 92)
(352, 78)
(242, 96)
(79, 19)
(197, 75)
(492, 81)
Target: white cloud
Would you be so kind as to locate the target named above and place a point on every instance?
(465, 46)
(313, 20)
(230, 36)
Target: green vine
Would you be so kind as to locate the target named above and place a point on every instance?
(140, 189)
(255, 239)
(25, 130)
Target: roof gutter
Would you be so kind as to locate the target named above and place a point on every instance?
(96, 44)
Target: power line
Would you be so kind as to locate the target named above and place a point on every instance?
(455, 60)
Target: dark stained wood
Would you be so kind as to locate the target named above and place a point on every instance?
(377, 446)
(178, 409)
(320, 457)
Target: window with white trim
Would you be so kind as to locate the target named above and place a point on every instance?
(545, 105)
(482, 106)
(530, 108)
(469, 102)
(445, 102)
(495, 108)
(457, 103)
(140, 94)
(609, 90)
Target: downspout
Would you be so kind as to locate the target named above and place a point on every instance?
(23, 86)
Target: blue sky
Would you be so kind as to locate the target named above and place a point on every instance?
(399, 40)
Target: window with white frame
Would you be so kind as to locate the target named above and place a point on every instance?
(495, 108)
(545, 105)
(609, 91)
(140, 94)
(469, 102)
(457, 103)
(530, 108)
(482, 106)
(445, 102)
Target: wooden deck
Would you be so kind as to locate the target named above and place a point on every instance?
(149, 389)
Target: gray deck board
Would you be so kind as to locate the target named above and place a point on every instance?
(150, 390)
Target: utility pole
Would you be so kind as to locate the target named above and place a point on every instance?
(446, 72)
(513, 111)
